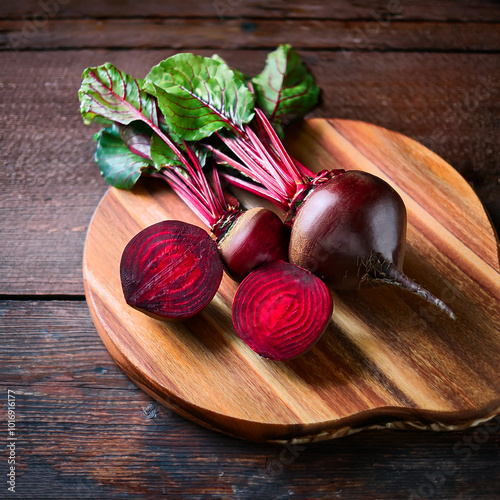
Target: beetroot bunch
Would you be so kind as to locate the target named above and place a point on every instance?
(194, 121)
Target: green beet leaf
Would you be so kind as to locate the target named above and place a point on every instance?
(285, 89)
(137, 137)
(237, 72)
(119, 166)
(108, 93)
(162, 155)
(199, 95)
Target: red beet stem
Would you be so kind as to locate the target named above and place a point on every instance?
(281, 310)
(242, 248)
(254, 189)
(170, 270)
(263, 158)
(192, 186)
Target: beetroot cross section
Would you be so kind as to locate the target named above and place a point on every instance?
(170, 270)
(280, 310)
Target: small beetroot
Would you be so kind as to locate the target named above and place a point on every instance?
(257, 237)
(170, 270)
(281, 310)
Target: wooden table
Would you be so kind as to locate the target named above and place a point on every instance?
(429, 69)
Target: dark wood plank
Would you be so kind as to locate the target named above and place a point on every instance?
(445, 10)
(51, 186)
(240, 34)
(86, 432)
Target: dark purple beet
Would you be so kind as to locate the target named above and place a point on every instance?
(170, 270)
(281, 310)
(257, 236)
(351, 231)
(343, 223)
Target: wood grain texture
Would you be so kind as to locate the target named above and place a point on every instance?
(88, 432)
(387, 356)
(421, 10)
(449, 102)
(259, 33)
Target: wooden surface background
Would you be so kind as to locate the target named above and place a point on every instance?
(426, 68)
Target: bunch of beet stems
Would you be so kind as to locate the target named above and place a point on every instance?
(171, 270)
(246, 238)
(349, 228)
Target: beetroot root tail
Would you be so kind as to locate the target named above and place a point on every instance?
(397, 277)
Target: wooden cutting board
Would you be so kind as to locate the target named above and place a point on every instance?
(388, 358)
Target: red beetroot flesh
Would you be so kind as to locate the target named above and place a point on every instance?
(257, 237)
(281, 310)
(170, 270)
(344, 225)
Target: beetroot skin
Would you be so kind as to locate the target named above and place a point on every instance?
(281, 310)
(170, 270)
(258, 236)
(344, 224)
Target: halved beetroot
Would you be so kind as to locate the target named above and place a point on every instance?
(170, 270)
